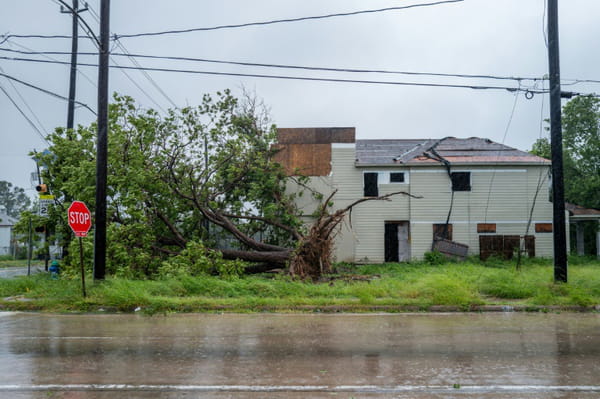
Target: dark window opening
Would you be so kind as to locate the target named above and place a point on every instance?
(486, 227)
(442, 231)
(370, 185)
(461, 181)
(397, 177)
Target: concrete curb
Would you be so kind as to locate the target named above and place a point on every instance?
(26, 304)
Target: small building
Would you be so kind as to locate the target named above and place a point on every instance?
(579, 216)
(473, 194)
(6, 225)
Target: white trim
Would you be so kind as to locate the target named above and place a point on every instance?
(471, 170)
(383, 176)
(477, 222)
(343, 145)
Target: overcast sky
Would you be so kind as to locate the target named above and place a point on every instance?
(483, 37)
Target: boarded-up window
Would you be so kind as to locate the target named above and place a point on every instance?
(396, 177)
(486, 227)
(370, 185)
(442, 231)
(543, 227)
(505, 246)
(461, 181)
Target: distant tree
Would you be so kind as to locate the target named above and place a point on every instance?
(13, 199)
(581, 150)
(581, 154)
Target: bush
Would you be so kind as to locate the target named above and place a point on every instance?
(197, 260)
(435, 258)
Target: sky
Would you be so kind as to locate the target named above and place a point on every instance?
(475, 37)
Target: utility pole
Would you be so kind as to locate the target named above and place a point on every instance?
(73, 76)
(102, 144)
(558, 192)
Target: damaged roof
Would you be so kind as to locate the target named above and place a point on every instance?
(435, 151)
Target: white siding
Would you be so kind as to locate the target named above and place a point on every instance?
(499, 194)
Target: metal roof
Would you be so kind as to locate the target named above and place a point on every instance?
(429, 151)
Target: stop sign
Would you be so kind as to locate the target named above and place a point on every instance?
(80, 218)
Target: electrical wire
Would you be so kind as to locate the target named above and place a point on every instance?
(278, 21)
(45, 55)
(26, 103)
(50, 93)
(24, 115)
(146, 74)
(510, 118)
(565, 81)
(134, 62)
(300, 78)
(301, 67)
(81, 21)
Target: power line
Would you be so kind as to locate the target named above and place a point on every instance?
(45, 54)
(277, 21)
(146, 74)
(11, 36)
(230, 26)
(134, 62)
(568, 81)
(287, 66)
(301, 78)
(510, 119)
(24, 115)
(50, 93)
(26, 104)
(80, 20)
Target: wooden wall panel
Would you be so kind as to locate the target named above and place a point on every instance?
(304, 159)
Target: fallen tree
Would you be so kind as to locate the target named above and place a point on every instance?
(197, 175)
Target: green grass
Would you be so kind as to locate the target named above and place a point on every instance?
(414, 286)
(8, 262)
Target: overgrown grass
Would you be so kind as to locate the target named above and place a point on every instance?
(395, 286)
(8, 261)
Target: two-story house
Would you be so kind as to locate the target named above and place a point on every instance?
(484, 195)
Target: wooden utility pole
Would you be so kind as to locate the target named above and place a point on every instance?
(558, 192)
(74, 44)
(102, 144)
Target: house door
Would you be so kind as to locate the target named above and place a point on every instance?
(397, 242)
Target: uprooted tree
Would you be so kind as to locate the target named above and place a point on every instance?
(201, 177)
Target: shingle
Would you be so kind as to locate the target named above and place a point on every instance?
(473, 149)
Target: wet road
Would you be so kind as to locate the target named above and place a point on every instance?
(505, 355)
(10, 272)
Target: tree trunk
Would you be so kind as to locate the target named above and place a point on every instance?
(275, 258)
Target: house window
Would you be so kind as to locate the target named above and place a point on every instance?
(442, 231)
(543, 227)
(461, 181)
(397, 177)
(486, 227)
(370, 185)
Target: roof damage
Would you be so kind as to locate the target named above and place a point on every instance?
(427, 151)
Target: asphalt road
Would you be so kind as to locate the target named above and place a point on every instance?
(10, 272)
(506, 355)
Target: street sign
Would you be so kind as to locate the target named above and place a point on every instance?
(80, 218)
(45, 202)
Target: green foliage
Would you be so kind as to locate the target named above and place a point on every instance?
(13, 199)
(166, 173)
(435, 258)
(197, 260)
(581, 157)
(395, 285)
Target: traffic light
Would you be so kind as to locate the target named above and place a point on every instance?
(41, 188)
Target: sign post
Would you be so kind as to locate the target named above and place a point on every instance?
(80, 221)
